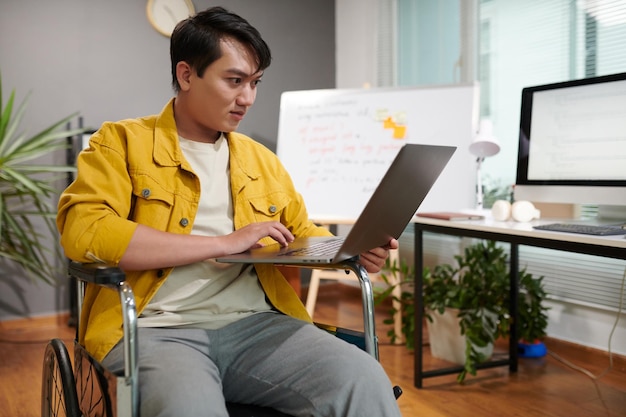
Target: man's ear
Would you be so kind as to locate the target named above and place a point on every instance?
(183, 75)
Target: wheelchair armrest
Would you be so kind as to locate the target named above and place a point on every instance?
(114, 278)
(97, 273)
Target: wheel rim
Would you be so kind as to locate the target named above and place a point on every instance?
(58, 387)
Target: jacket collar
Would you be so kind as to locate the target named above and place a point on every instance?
(241, 156)
(167, 150)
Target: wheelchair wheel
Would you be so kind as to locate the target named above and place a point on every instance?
(92, 390)
(58, 389)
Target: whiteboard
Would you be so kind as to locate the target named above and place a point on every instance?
(337, 144)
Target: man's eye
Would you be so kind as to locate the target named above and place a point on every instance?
(256, 82)
(235, 80)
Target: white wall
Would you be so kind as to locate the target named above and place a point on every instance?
(355, 55)
(587, 325)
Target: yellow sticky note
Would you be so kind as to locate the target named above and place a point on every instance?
(399, 132)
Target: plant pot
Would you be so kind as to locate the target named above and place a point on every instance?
(537, 349)
(446, 340)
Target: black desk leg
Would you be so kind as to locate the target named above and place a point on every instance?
(418, 338)
(514, 294)
(418, 300)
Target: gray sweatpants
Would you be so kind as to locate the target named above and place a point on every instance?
(266, 359)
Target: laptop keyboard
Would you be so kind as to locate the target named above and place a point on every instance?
(584, 229)
(326, 248)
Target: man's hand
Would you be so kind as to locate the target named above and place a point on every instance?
(374, 260)
(248, 236)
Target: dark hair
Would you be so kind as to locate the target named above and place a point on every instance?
(196, 40)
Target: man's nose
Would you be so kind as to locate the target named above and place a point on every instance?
(247, 96)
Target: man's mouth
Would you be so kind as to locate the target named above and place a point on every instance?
(239, 115)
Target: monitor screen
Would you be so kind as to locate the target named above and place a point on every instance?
(572, 143)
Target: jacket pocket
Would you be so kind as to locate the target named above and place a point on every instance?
(269, 207)
(152, 204)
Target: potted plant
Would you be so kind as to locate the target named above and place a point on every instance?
(27, 209)
(477, 289)
(494, 191)
(475, 292)
(407, 307)
(533, 319)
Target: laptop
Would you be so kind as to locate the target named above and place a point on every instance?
(387, 213)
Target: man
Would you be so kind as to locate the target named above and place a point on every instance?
(163, 196)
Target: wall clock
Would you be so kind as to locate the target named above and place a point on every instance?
(163, 15)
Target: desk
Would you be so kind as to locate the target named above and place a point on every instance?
(509, 232)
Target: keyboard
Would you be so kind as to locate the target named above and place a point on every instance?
(326, 248)
(583, 229)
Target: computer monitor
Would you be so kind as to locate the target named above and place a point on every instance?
(572, 142)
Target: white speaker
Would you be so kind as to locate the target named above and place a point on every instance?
(524, 211)
(501, 210)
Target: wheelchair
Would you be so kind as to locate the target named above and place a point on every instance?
(88, 389)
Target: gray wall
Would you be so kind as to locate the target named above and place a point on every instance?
(104, 60)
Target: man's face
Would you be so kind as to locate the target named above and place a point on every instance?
(219, 100)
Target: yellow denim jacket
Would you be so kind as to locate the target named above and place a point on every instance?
(134, 172)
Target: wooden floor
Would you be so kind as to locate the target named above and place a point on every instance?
(541, 387)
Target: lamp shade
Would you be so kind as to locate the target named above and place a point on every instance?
(485, 144)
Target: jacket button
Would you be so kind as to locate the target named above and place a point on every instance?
(145, 193)
(272, 209)
(184, 222)
(160, 273)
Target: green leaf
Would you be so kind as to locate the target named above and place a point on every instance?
(27, 189)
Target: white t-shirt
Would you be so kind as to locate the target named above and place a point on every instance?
(207, 294)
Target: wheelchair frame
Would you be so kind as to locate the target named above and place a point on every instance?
(92, 390)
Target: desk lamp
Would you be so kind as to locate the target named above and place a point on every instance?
(484, 145)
